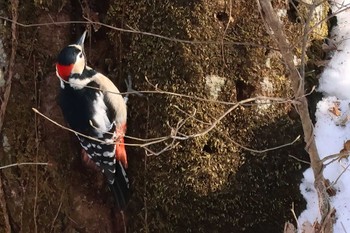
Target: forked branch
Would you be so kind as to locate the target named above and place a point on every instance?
(277, 32)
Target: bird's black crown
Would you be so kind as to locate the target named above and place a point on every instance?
(68, 55)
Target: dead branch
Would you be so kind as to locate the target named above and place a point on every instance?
(289, 228)
(37, 143)
(299, 160)
(171, 140)
(157, 90)
(225, 32)
(271, 19)
(340, 175)
(334, 157)
(57, 213)
(21, 164)
(294, 215)
(263, 150)
(134, 31)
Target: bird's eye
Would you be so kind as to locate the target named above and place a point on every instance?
(81, 55)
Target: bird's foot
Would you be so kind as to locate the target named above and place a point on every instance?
(129, 89)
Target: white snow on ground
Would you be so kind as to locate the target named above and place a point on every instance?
(332, 128)
(335, 80)
(330, 135)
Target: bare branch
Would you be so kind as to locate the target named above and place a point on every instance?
(264, 150)
(66, 128)
(159, 91)
(335, 157)
(175, 135)
(21, 164)
(295, 216)
(57, 213)
(340, 175)
(273, 22)
(195, 42)
(300, 160)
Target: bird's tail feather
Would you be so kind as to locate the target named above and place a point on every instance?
(120, 187)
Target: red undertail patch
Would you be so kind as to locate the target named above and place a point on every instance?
(120, 152)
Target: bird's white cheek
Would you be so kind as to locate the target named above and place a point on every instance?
(79, 66)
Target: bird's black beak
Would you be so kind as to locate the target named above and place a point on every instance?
(81, 40)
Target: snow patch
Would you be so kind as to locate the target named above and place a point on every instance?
(335, 80)
(330, 137)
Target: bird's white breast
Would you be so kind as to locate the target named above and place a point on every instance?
(113, 96)
(100, 116)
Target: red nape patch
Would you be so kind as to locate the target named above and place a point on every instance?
(64, 71)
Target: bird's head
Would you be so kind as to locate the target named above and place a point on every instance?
(71, 59)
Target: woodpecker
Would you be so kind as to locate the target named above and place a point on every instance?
(93, 107)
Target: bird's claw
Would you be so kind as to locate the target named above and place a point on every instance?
(129, 89)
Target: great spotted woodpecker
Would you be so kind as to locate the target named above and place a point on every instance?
(92, 106)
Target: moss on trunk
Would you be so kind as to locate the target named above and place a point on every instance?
(207, 183)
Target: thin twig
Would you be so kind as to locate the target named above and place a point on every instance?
(159, 91)
(145, 203)
(276, 100)
(344, 170)
(157, 140)
(264, 150)
(57, 213)
(225, 31)
(192, 116)
(21, 164)
(335, 156)
(342, 7)
(195, 42)
(295, 216)
(342, 225)
(305, 40)
(66, 128)
(213, 125)
(300, 160)
(37, 142)
(176, 135)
